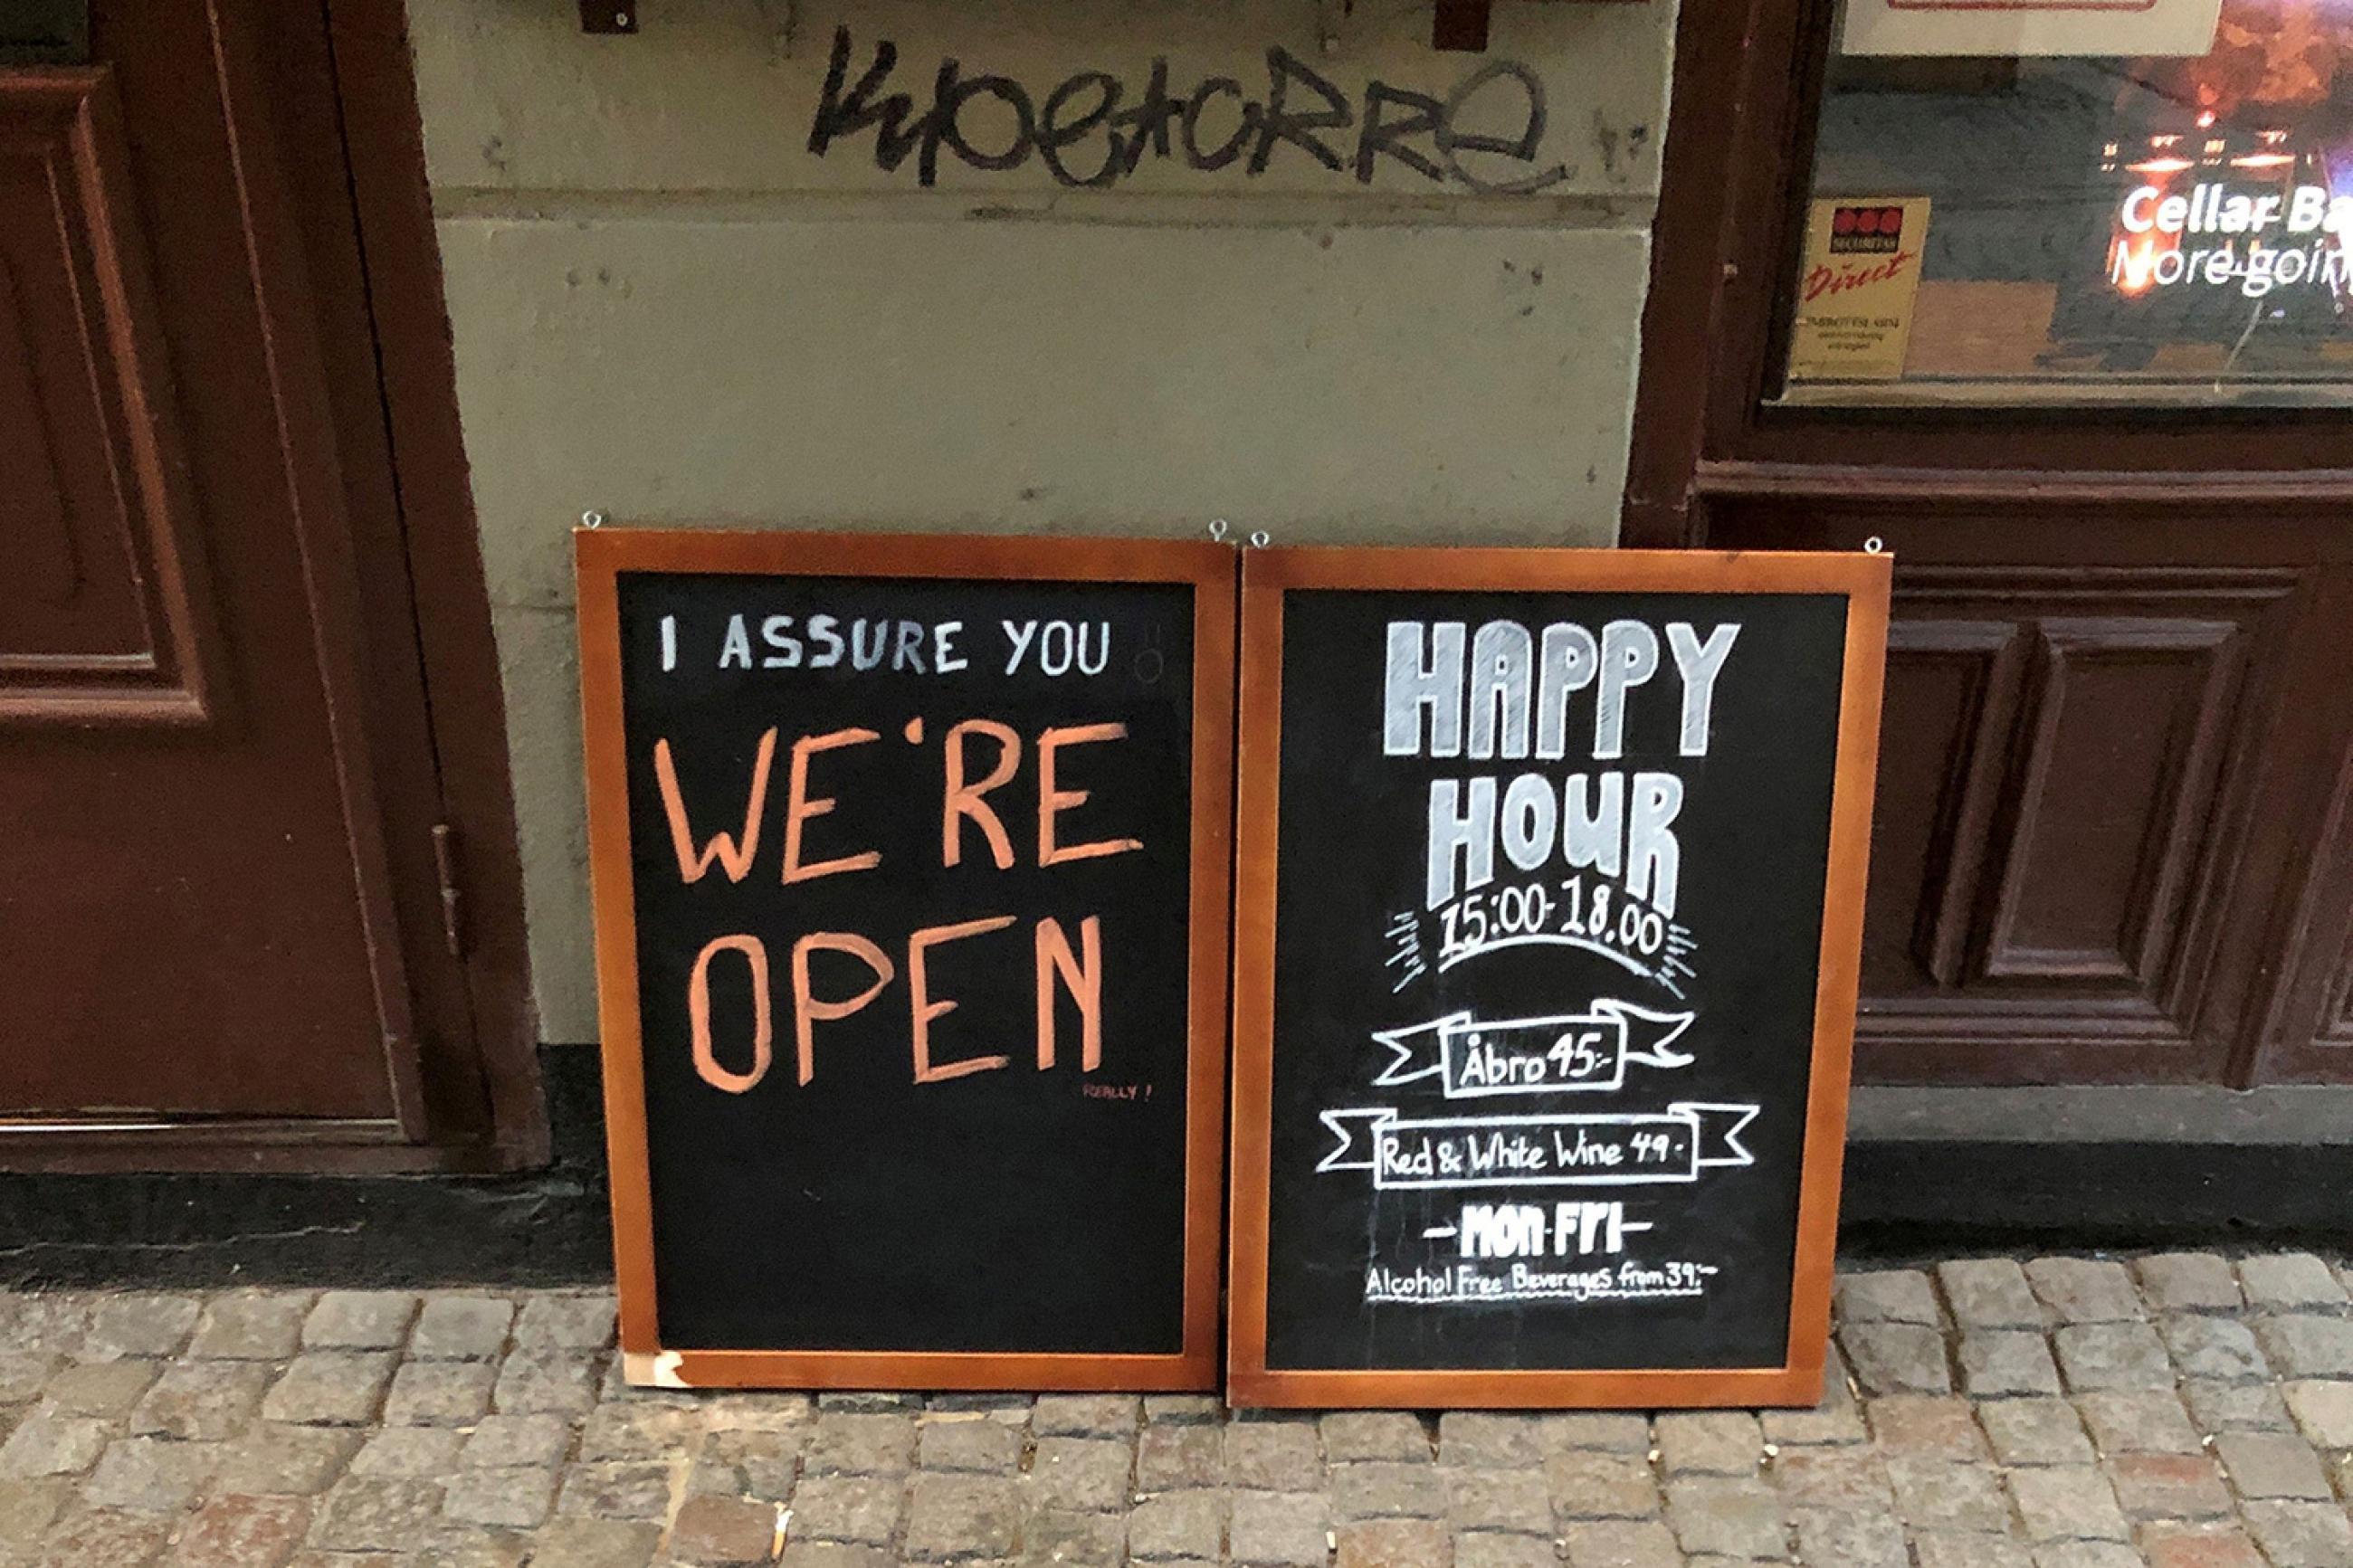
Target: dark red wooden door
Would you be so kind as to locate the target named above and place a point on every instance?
(218, 785)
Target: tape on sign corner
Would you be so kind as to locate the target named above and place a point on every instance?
(656, 1369)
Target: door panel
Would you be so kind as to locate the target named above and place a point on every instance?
(199, 915)
(105, 613)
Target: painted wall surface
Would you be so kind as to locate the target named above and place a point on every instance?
(1053, 266)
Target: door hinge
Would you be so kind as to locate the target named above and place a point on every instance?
(445, 866)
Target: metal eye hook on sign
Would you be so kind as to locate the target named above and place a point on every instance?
(592, 520)
(1874, 545)
(1219, 528)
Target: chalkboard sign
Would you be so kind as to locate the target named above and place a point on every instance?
(1550, 904)
(911, 869)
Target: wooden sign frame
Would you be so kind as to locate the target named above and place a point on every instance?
(1267, 576)
(1211, 569)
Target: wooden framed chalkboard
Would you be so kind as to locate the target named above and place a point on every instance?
(911, 865)
(1548, 907)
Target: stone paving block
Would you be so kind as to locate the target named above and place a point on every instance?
(440, 1394)
(1619, 1544)
(2083, 1289)
(1278, 1530)
(1897, 1358)
(1708, 1442)
(1729, 1516)
(1850, 1539)
(1514, 1501)
(1885, 1296)
(1170, 1458)
(1178, 1526)
(1273, 1456)
(1504, 1552)
(2001, 1362)
(1387, 1488)
(991, 1448)
(762, 1465)
(1934, 1494)
(1491, 1438)
(2193, 1545)
(498, 1442)
(360, 1319)
(100, 1539)
(2189, 1282)
(251, 1326)
(1588, 1484)
(534, 1381)
(2100, 1356)
(1085, 1475)
(1183, 1409)
(237, 1530)
(269, 1460)
(1833, 1478)
(149, 1475)
(732, 1411)
(366, 1513)
(2138, 1422)
(52, 1446)
(2323, 1409)
(857, 1443)
(2290, 1282)
(99, 1387)
(950, 1516)
(52, 1324)
(1944, 1426)
(2222, 1348)
(715, 1529)
(2035, 1432)
(2271, 1464)
(2169, 1485)
(562, 1320)
(199, 1400)
(625, 1429)
(2235, 1406)
(1608, 1432)
(23, 1374)
(1837, 1418)
(1394, 1543)
(2067, 1502)
(26, 1507)
(2301, 1534)
(1990, 1293)
(2086, 1555)
(2307, 1345)
(615, 1543)
(1085, 1415)
(869, 1401)
(860, 1508)
(330, 1388)
(1948, 1551)
(516, 1495)
(619, 1491)
(461, 1328)
(1059, 1539)
(139, 1324)
(1353, 1435)
(411, 1453)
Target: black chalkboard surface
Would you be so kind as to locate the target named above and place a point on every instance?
(1551, 871)
(910, 869)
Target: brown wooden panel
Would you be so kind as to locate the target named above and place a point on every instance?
(104, 613)
(2057, 787)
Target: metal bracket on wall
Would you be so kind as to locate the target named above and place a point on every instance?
(616, 16)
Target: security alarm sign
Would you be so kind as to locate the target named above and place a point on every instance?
(1856, 287)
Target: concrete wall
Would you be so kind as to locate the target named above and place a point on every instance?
(669, 308)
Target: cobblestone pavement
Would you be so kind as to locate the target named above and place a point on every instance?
(2180, 1411)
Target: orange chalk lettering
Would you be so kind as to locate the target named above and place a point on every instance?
(1051, 801)
(698, 1008)
(1081, 977)
(925, 1009)
(799, 807)
(735, 858)
(808, 1010)
(963, 800)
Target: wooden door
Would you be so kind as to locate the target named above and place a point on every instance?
(2114, 840)
(230, 881)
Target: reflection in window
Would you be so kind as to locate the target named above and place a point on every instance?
(2157, 230)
